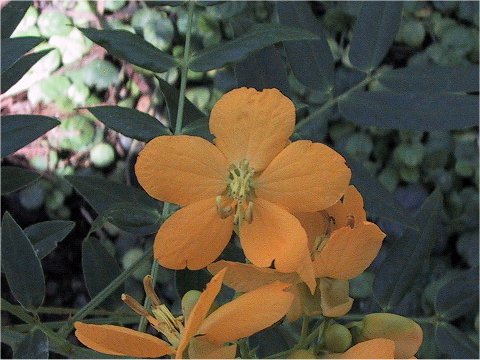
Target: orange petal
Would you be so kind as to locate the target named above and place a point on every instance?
(315, 224)
(117, 340)
(247, 314)
(304, 177)
(181, 169)
(252, 125)
(192, 237)
(348, 252)
(276, 236)
(350, 207)
(371, 349)
(199, 349)
(248, 277)
(296, 309)
(334, 297)
(200, 311)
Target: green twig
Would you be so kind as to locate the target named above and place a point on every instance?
(178, 129)
(102, 295)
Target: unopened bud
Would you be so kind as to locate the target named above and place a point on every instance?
(406, 333)
(188, 302)
(337, 338)
(302, 354)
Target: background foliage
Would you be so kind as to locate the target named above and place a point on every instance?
(392, 86)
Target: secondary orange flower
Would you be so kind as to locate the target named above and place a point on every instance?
(202, 334)
(251, 178)
(342, 245)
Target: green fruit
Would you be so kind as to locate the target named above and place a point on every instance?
(412, 33)
(188, 302)
(102, 155)
(337, 338)
(302, 354)
(130, 257)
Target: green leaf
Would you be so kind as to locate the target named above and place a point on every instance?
(407, 255)
(186, 280)
(171, 95)
(21, 130)
(15, 178)
(132, 48)
(410, 110)
(99, 270)
(199, 127)
(458, 296)
(373, 33)
(47, 234)
(455, 343)
(33, 346)
(257, 38)
(378, 200)
(11, 15)
(431, 79)
(12, 338)
(134, 218)
(21, 266)
(130, 122)
(311, 61)
(263, 69)
(19, 68)
(102, 194)
(14, 49)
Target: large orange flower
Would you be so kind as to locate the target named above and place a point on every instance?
(202, 334)
(253, 179)
(342, 244)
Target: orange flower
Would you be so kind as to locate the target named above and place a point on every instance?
(371, 349)
(252, 179)
(204, 335)
(342, 244)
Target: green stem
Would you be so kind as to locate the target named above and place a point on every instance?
(102, 295)
(333, 101)
(178, 129)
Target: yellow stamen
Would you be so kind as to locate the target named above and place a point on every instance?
(149, 291)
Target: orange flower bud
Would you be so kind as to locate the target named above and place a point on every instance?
(406, 333)
(337, 338)
(188, 302)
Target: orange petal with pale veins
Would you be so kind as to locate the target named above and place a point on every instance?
(192, 237)
(315, 224)
(199, 349)
(181, 169)
(247, 314)
(371, 349)
(117, 340)
(252, 125)
(350, 206)
(248, 277)
(304, 177)
(200, 311)
(276, 236)
(348, 252)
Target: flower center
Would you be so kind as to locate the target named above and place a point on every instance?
(160, 317)
(239, 193)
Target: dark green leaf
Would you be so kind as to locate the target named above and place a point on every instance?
(134, 218)
(11, 15)
(190, 112)
(132, 48)
(130, 122)
(410, 110)
(455, 343)
(199, 127)
(47, 234)
(378, 200)
(21, 266)
(407, 255)
(257, 38)
(14, 49)
(373, 33)
(263, 69)
(99, 270)
(12, 338)
(271, 340)
(458, 296)
(431, 78)
(311, 61)
(186, 280)
(21, 130)
(20, 68)
(209, 3)
(33, 346)
(101, 194)
(15, 178)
